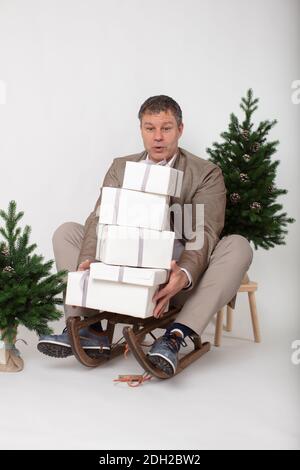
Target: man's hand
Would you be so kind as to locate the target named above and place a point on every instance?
(177, 281)
(84, 265)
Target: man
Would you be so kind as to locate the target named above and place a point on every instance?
(202, 279)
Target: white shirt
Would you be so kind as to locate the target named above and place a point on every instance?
(178, 246)
(163, 162)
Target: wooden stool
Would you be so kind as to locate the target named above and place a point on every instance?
(251, 288)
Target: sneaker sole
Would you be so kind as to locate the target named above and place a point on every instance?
(55, 350)
(162, 364)
(60, 351)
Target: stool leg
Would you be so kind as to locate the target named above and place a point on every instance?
(254, 317)
(229, 318)
(219, 327)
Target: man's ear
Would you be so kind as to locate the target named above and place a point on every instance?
(180, 128)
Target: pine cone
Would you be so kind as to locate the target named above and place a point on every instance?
(256, 206)
(5, 251)
(235, 197)
(255, 147)
(245, 134)
(246, 157)
(8, 269)
(244, 177)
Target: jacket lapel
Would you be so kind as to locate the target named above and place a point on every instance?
(180, 162)
(142, 156)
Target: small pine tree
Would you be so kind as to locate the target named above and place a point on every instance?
(249, 174)
(27, 289)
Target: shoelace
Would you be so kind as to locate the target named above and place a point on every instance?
(173, 341)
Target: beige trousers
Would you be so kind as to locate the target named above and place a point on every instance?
(219, 283)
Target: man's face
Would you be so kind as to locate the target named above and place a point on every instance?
(160, 134)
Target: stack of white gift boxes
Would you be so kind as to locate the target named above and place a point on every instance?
(134, 249)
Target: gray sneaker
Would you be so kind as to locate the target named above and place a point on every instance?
(164, 352)
(94, 344)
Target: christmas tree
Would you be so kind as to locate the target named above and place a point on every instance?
(249, 173)
(28, 292)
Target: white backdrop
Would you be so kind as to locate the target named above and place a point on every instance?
(76, 72)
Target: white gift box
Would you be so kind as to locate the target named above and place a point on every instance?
(156, 179)
(133, 246)
(123, 290)
(77, 288)
(132, 208)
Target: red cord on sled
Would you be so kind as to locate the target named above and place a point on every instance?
(134, 380)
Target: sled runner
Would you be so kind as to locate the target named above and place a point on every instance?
(133, 337)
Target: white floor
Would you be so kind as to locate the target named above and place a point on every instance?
(239, 396)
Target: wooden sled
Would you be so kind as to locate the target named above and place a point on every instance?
(133, 337)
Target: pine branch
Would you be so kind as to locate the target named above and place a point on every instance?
(244, 157)
(28, 290)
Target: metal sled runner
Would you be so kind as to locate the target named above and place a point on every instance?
(132, 339)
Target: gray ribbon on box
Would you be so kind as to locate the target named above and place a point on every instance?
(85, 279)
(121, 274)
(116, 206)
(115, 219)
(118, 194)
(146, 177)
(141, 247)
(147, 173)
(84, 285)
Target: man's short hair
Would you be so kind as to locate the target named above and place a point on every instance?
(156, 104)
